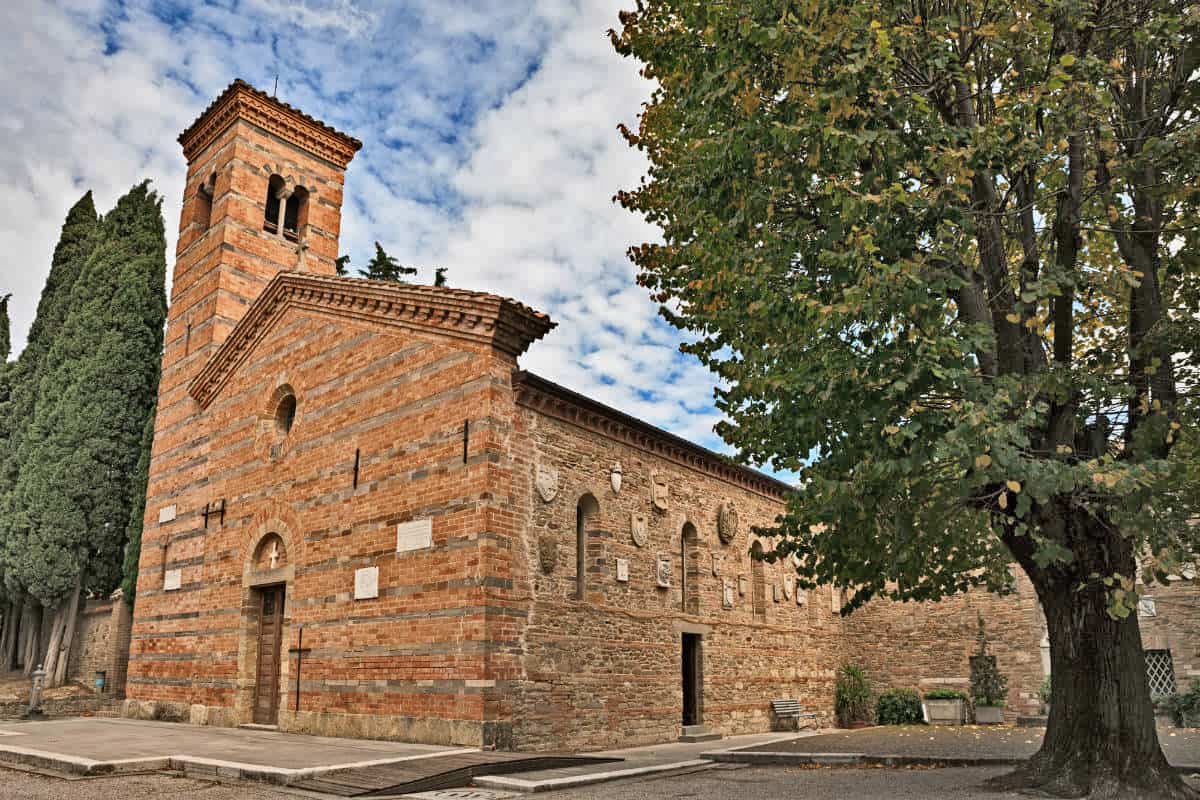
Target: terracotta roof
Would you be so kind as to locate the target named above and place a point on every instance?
(200, 131)
(478, 317)
(558, 401)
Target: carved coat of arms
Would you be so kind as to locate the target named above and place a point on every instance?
(639, 528)
(548, 553)
(660, 491)
(663, 571)
(546, 481)
(727, 523)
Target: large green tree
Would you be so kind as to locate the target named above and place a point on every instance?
(19, 393)
(77, 479)
(5, 331)
(943, 255)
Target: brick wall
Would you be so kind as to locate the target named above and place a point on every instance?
(92, 648)
(604, 670)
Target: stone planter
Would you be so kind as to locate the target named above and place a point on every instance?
(944, 712)
(989, 715)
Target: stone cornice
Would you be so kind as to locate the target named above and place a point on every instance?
(242, 101)
(547, 397)
(476, 317)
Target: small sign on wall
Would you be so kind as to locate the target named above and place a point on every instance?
(166, 514)
(415, 535)
(727, 594)
(172, 580)
(622, 570)
(366, 583)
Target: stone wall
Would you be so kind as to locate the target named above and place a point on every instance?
(603, 669)
(92, 648)
(928, 645)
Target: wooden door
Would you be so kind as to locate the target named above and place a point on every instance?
(270, 628)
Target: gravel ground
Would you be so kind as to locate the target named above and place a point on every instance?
(768, 783)
(1181, 745)
(15, 785)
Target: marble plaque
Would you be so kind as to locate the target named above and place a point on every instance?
(366, 583)
(663, 571)
(801, 596)
(716, 564)
(727, 594)
(415, 535)
(622, 570)
(166, 514)
(172, 580)
(741, 585)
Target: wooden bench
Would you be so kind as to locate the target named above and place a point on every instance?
(787, 714)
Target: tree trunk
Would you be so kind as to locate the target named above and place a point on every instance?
(10, 630)
(14, 641)
(1100, 740)
(50, 656)
(29, 652)
(68, 637)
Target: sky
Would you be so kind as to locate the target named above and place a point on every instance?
(489, 147)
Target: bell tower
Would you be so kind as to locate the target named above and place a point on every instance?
(263, 196)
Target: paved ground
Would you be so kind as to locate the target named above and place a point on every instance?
(759, 783)
(117, 739)
(1181, 745)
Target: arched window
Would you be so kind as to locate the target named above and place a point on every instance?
(758, 577)
(285, 413)
(295, 213)
(585, 514)
(689, 585)
(204, 201)
(271, 216)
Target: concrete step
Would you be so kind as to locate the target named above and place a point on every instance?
(254, 726)
(698, 733)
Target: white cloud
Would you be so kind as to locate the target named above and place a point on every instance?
(490, 147)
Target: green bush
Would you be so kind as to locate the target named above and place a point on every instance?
(989, 687)
(945, 694)
(851, 695)
(1184, 708)
(899, 707)
(1044, 691)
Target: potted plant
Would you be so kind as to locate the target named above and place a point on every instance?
(852, 697)
(989, 687)
(944, 706)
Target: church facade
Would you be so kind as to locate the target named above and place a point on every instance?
(365, 519)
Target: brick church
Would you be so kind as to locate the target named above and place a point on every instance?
(365, 519)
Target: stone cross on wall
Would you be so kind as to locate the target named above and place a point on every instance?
(274, 554)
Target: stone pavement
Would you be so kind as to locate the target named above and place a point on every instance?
(97, 746)
(636, 762)
(963, 744)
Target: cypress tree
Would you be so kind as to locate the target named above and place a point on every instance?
(385, 268)
(76, 241)
(5, 331)
(137, 513)
(77, 480)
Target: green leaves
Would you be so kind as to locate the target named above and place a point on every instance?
(866, 225)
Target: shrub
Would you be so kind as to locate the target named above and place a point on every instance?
(1184, 708)
(899, 707)
(988, 686)
(851, 695)
(945, 694)
(1044, 691)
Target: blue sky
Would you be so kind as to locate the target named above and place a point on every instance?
(490, 148)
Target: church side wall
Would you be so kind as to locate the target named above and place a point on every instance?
(411, 663)
(605, 670)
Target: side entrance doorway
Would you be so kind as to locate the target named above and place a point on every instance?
(693, 679)
(270, 635)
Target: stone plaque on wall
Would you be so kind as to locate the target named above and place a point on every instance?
(727, 523)
(415, 535)
(741, 585)
(662, 571)
(166, 514)
(547, 553)
(639, 528)
(801, 596)
(727, 594)
(547, 482)
(716, 564)
(366, 583)
(660, 491)
(172, 580)
(775, 592)
(622, 570)
(788, 585)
